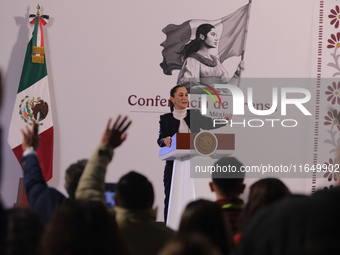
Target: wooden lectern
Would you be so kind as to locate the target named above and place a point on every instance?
(184, 188)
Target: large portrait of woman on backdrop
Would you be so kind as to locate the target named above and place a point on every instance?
(198, 49)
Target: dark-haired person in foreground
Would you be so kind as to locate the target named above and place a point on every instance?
(41, 198)
(263, 193)
(193, 244)
(206, 218)
(135, 216)
(301, 225)
(228, 186)
(24, 231)
(134, 195)
(92, 183)
(82, 228)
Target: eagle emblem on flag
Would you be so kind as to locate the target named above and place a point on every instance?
(33, 109)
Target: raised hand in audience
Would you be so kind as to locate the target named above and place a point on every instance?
(30, 137)
(92, 182)
(116, 134)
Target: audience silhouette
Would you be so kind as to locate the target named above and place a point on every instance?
(41, 198)
(24, 230)
(301, 225)
(228, 186)
(134, 195)
(135, 216)
(192, 245)
(262, 193)
(84, 228)
(207, 219)
(273, 221)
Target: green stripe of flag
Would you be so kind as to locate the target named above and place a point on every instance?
(31, 72)
(35, 31)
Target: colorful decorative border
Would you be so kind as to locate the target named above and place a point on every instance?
(329, 93)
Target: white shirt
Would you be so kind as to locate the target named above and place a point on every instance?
(180, 115)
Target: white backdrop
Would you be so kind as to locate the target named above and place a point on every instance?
(99, 53)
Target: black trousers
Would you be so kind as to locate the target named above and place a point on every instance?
(167, 186)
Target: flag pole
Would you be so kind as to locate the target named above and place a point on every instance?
(38, 9)
(245, 38)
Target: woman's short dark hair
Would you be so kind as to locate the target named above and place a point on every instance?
(206, 218)
(195, 45)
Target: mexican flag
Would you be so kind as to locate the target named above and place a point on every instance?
(33, 100)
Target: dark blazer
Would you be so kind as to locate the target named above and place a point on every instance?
(41, 198)
(168, 125)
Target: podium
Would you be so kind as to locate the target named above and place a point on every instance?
(184, 188)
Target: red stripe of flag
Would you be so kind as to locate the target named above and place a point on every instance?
(44, 152)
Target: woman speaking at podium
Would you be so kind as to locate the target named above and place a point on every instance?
(180, 120)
